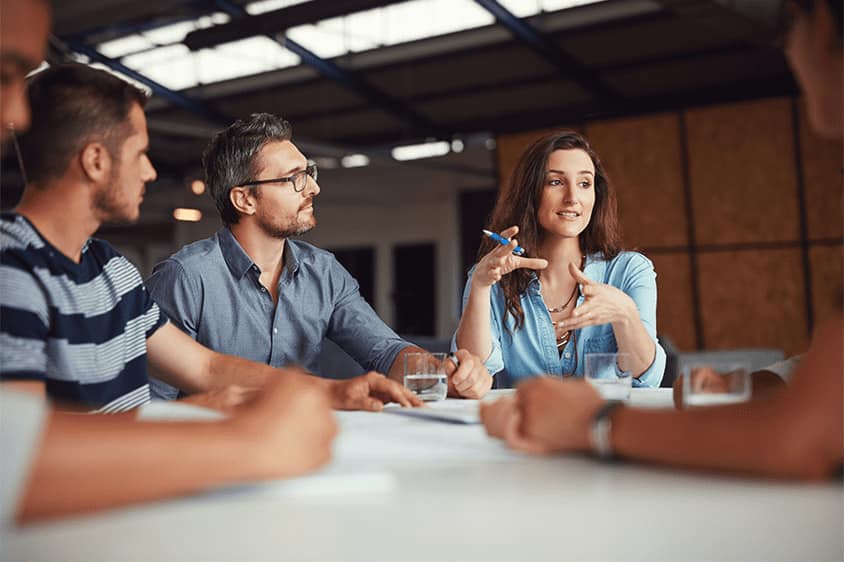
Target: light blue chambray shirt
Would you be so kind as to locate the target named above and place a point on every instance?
(532, 350)
(211, 290)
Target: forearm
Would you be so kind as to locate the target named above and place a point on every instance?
(225, 370)
(88, 463)
(474, 332)
(632, 338)
(752, 438)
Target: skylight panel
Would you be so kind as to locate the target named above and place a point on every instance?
(117, 48)
(255, 8)
(242, 58)
(554, 5)
(171, 66)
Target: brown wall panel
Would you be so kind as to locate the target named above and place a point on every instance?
(510, 147)
(753, 298)
(643, 159)
(742, 172)
(675, 311)
(827, 280)
(823, 183)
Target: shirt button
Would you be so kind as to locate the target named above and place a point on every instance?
(567, 355)
(263, 289)
(275, 330)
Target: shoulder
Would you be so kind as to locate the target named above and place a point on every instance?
(630, 262)
(17, 235)
(192, 259)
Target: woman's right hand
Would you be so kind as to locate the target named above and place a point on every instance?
(500, 261)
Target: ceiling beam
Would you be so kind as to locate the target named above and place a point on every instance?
(567, 66)
(271, 23)
(420, 124)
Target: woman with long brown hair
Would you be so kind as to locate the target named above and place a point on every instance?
(578, 293)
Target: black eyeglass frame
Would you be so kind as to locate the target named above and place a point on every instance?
(310, 170)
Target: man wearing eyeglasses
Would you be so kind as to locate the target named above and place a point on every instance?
(251, 290)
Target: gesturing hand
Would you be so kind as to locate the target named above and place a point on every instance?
(602, 304)
(500, 261)
(370, 392)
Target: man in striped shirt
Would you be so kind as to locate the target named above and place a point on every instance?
(75, 318)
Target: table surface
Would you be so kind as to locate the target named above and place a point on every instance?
(402, 488)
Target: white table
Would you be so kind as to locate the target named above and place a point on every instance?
(402, 488)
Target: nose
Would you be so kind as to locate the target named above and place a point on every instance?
(14, 109)
(150, 173)
(312, 189)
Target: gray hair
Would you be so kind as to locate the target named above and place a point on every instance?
(230, 158)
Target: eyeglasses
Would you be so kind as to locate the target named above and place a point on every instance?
(299, 179)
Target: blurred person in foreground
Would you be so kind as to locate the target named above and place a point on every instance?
(253, 290)
(794, 432)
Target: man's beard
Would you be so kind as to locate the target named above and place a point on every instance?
(285, 227)
(106, 204)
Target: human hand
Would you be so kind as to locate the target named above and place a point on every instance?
(704, 380)
(502, 419)
(500, 261)
(555, 415)
(287, 429)
(602, 304)
(225, 400)
(469, 379)
(370, 392)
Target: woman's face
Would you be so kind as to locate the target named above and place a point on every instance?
(568, 195)
(817, 70)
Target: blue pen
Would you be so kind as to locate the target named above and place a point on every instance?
(518, 250)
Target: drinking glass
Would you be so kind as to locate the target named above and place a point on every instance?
(424, 375)
(715, 382)
(610, 374)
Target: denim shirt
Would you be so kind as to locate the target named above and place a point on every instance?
(211, 290)
(532, 349)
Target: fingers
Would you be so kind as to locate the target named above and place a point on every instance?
(510, 232)
(495, 416)
(579, 276)
(531, 263)
(388, 390)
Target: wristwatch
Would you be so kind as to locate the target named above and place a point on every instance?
(601, 428)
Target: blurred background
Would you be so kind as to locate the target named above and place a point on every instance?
(416, 112)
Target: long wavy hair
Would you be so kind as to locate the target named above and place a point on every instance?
(519, 205)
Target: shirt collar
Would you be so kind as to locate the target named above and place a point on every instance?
(240, 263)
(236, 257)
(594, 268)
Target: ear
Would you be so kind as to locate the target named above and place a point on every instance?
(96, 162)
(243, 200)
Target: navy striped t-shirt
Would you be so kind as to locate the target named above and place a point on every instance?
(79, 327)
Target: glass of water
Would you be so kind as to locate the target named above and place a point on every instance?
(715, 383)
(610, 374)
(424, 374)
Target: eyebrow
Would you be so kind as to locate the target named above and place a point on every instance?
(581, 172)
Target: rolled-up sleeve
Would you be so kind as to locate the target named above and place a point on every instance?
(356, 327)
(177, 297)
(640, 285)
(495, 362)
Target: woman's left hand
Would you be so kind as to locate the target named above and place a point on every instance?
(602, 304)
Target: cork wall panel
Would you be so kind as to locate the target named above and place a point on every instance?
(643, 160)
(822, 181)
(827, 263)
(753, 298)
(674, 310)
(510, 147)
(742, 172)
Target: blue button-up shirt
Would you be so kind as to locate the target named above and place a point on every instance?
(211, 290)
(532, 349)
